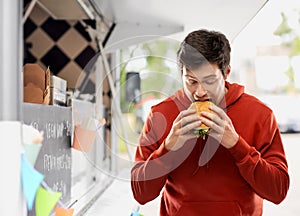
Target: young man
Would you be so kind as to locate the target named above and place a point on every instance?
(230, 171)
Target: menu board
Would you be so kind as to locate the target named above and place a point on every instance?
(54, 160)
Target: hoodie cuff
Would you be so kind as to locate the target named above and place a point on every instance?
(240, 150)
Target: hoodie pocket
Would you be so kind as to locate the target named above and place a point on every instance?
(209, 209)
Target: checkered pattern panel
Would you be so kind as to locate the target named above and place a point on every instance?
(63, 45)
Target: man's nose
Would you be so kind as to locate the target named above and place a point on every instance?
(200, 91)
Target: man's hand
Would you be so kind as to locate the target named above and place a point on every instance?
(182, 129)
(221, 127)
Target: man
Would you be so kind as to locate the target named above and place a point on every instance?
(230, 172)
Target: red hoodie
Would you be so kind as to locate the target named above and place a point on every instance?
(203, 177)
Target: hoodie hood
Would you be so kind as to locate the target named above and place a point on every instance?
(181, 99)
(234, 92)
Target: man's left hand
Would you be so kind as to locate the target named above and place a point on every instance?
(221, 127)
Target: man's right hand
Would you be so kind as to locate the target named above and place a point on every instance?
(182, 129)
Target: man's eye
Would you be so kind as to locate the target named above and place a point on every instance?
(210, 81)
(192, 82)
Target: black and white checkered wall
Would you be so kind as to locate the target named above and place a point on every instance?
(63, 45)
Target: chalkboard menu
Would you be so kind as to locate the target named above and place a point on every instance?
(54, 159)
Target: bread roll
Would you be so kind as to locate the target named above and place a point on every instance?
(200, 106)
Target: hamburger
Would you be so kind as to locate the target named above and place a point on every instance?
(200, 106)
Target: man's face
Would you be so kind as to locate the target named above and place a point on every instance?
(205, 83)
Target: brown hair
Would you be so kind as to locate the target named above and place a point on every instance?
(203, 46)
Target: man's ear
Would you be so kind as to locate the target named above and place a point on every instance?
(227, 72)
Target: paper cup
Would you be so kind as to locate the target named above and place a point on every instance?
(83, 139)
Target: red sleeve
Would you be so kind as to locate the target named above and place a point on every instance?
(153, 160)
(264, 165)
